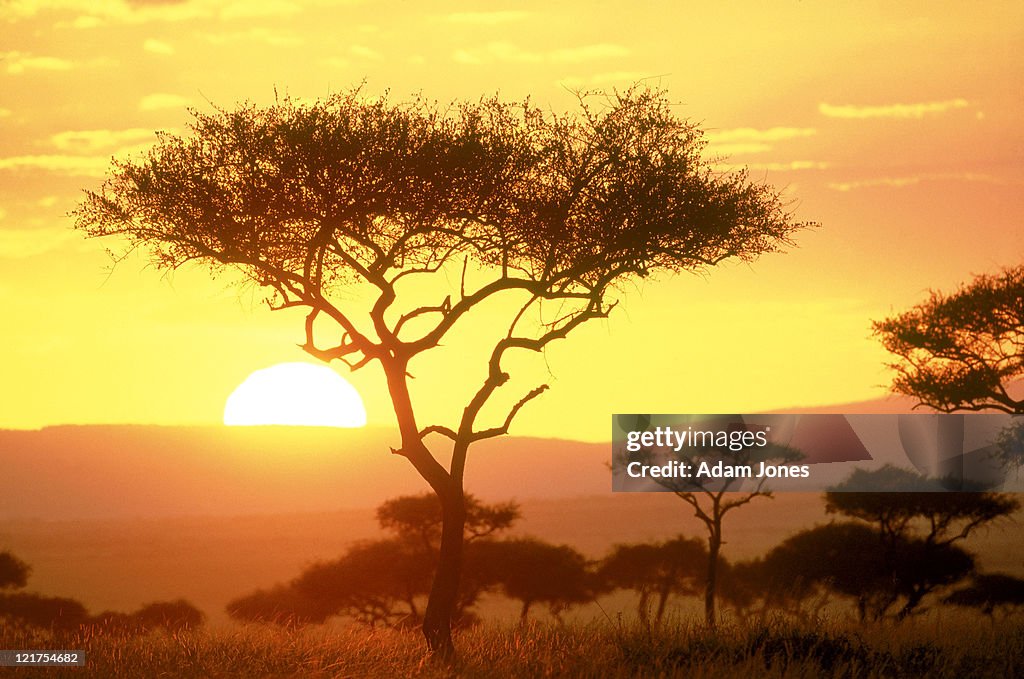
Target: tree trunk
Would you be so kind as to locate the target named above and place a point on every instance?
(444, 592)
(662, 602)
(714, 547)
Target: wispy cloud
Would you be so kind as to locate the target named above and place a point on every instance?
(81, 166)
(267, 36)
(24, 243)
(486, 18)
(750, 134)
(791, 166)
(746, 140)
(92, 13)
(918, 110)
(609, 78)
(157, 47)
(91, 141)
(17, 63)
(162, 100)
(364, 52)
(510, 53)
(253, 9)
(912, 180)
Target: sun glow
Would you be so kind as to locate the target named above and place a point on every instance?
(295, 394)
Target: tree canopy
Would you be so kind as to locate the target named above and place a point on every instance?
(961, 351)
(547, 211)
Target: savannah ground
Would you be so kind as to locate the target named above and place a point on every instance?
(950, 645)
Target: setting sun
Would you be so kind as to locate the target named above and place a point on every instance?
(295, 394)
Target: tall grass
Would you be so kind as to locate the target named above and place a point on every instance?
(960, 648)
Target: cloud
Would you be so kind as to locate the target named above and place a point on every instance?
(19, 62)
(744, 140)
(623, 77)
(793, 165)
(157, 47)
(918, 110)
(162, 100)
(92, 13)
(735, 149)
(267, 36)
(90, 141)
(5, 112)
(749, 134)
(255, 9)
(486, 18)
(509, 53)
(79, 166)
(364, 52)
(24, 243)
(911, 180)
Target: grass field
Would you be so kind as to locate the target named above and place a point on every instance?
(960, 647)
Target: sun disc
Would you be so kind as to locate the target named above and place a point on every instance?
(295, 394)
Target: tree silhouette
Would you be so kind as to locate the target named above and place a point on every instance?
(13, 571)
(713, 498)
(376, 582)
(655, 569)
(961, 351)
(55, 613)
(917, 531)
(552, 212)
(381, 582)
(418, 518)
(884, 576)
(281, 605)
(532, 571)
(172, 616)
(990, 592)
(941, 517)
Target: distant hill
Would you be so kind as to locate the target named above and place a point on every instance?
(125, 471)
(84, 472)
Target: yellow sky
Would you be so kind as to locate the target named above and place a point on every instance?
(896, 127)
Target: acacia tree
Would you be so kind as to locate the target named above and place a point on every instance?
(547, 211)
(711, 499)
(659, 569)
(917, 532)
(961, 351)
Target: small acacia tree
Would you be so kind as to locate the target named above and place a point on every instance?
(547, 211)
(961, 351)
(711, 499)
(660, 569)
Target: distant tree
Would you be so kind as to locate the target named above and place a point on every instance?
(376, 583)
(13, 571)
(989, 593)
(282, 605)
(419, 518)
(532, 571)
(917, 531)
(940, 517)
(655, 569)
(1010, 445)
(711, 499)
(885, 577)
(381, 582)
(552, 211)
(961, 351)
(172, 616)
(55, 613)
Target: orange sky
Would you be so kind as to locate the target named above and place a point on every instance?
(896, 127)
